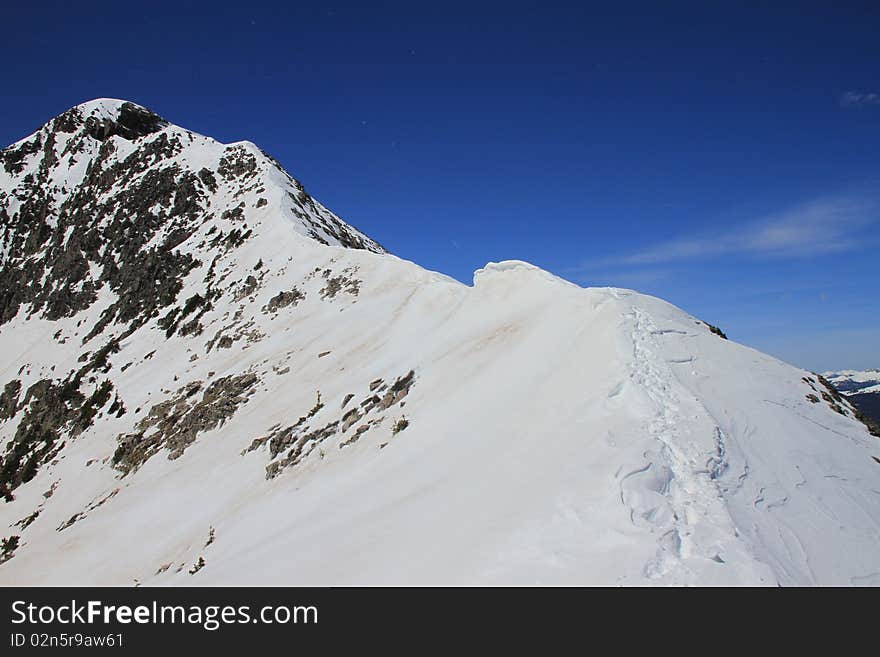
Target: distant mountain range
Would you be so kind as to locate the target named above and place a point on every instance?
(862, 388)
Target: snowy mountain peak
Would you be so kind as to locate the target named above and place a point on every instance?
(99, 118)
(127, 140)
(106, 107)
(113, 109)
(108, 185)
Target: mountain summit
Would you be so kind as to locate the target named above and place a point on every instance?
(110, 186)
(209, 378)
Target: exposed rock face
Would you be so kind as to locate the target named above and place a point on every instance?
(336, 284)
(310, 433)
(9, 399)
(7, 548)
(131, 122)
(175, 423)
(52, 410)
(283, 299)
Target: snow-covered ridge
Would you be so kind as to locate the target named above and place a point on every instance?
(208, 378)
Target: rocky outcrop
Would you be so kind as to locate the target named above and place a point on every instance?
(131, 123)
(175, 423)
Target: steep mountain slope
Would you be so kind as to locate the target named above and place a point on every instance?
(211, 379)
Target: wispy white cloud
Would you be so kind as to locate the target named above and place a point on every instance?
(816, 228)
(858, 99)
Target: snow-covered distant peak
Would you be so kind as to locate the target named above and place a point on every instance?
(871, 374)
(850, 382)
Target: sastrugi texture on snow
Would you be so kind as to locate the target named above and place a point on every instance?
(207, 377)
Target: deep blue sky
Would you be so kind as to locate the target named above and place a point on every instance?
(724, 159)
